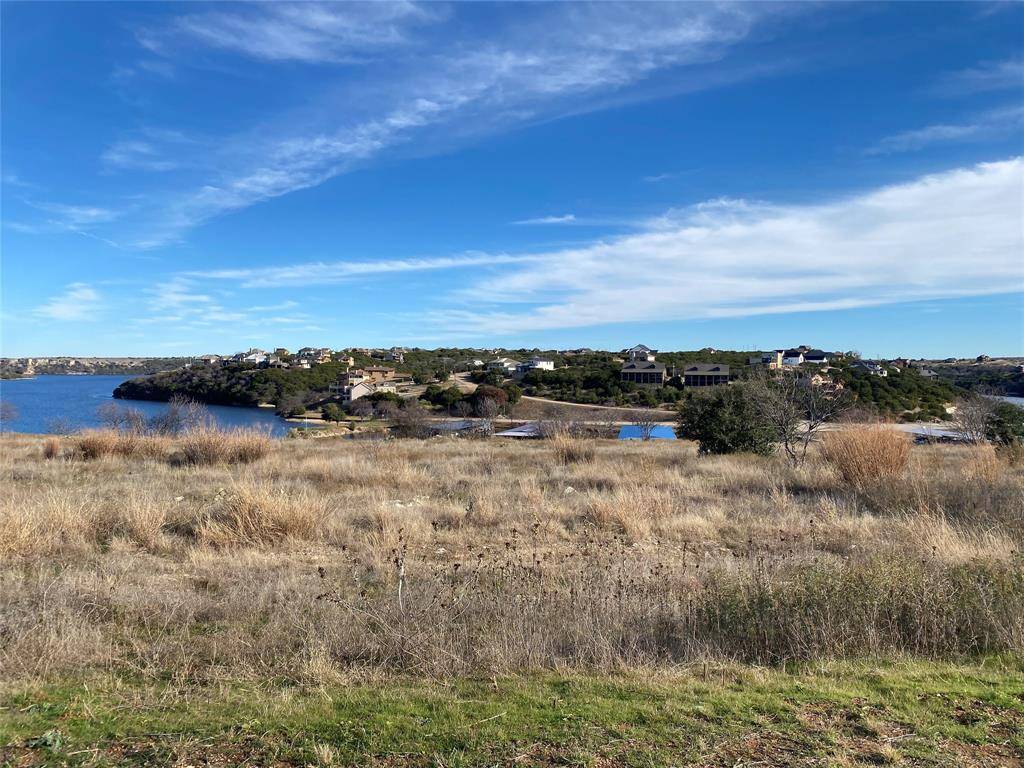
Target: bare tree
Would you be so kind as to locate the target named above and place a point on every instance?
(182, 414)
(463, 409)
(972, 416)
(113, 416)
(645, 421)
(555, 420)
(796, 409)
(385, 409)
(487, 408)
(361, 408)
(412, 420)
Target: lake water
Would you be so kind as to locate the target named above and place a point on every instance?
(56, 403)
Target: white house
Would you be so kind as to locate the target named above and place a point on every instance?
(535, 364)
(505, 365)
(640, 352)
(792, 357)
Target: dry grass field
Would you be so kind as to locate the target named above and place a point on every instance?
(222, 561)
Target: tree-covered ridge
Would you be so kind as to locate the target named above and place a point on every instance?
(903, 394)
(232, 384)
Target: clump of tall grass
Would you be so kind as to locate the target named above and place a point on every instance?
(866, 454)
(260, 514)
(99, 443)
(51, 448)
(572, 450)
(209, 445)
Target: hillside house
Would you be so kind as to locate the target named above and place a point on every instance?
(705, 375)
(505, 365)
(644, 372)
(875, 369)
(640, 352)
(379, 373)
(770, 360)
(535, 364)
(792, 357)
(817, 357)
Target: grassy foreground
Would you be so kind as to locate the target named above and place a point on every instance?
(221, 599)
(835, 713)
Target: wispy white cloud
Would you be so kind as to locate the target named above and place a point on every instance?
(567, 218)
(320, 272)
(553, 60)
(983, 127)
(306, 32)
(75, 216)
(180, 302)
(945, 235)
(79, 301)
(136, 155)
(987, 76)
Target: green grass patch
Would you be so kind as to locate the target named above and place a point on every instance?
(841, 713)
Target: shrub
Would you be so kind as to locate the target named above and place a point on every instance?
(1006, 424)
(725, 420)
(332, 412)
(866, 454)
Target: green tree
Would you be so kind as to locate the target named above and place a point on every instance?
(332, 412)
(725, 420)
(1005, 424)
(514, 392)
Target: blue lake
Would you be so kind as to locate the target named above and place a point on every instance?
(57, 403)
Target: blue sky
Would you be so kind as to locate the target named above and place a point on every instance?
(194, 177)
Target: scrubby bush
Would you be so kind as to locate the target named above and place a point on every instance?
(1006, 424)
(332, 412)
(725, 420)
(866, 454)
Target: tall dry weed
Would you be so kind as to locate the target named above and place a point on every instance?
(866, 454)
(572, 450)
(210, 445)
(257, 514)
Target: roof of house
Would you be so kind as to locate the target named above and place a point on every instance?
(528, 430)
(643, 365)
(816, 354)
(640, 348)
(707, 368)
(793, 353)
(658, 432)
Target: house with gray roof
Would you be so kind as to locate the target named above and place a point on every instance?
(705, 375)
(644, 372)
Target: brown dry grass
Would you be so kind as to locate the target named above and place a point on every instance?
(867, 454)
(442, 557)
